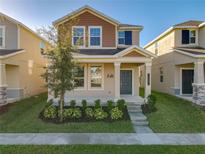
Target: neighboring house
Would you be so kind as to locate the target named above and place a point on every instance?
(21, 61)
(179, 68)
(109, 56)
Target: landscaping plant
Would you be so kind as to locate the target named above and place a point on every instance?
(116, 114)
(84, 104)
(72, 103)
(89, 112)
(110, 105)
(50, 112)
(97, 104)
(121, 104)
(99, 114)
(67, 113)
(151, 101)
(76, 113)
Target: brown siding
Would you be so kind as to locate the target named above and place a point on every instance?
(108, 30)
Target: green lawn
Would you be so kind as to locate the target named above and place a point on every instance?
(176, 115)
(23, 117)
(101, 149)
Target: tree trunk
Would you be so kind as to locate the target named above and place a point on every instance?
(61, 106)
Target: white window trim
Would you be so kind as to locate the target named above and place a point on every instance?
(133, 82)
(120, 37)
(4, 37)
(196, 37)
(85, 79)
(183, 68)
(89, 77)
(83, 46)
(90, 46)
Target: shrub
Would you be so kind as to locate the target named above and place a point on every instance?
(50, 112)
(110, 105)
(89, 112)
(151, 101)
(97, 104)
(84, 104)
(76, 113)
(72, 103)
(116, 114)
(99, 114)
(67, 113)
(121, 104)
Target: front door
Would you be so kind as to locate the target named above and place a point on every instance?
(187, 80)
(126, 82)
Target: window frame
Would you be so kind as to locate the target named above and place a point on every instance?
(196, 37)
(73, 27)
(3, 36)
(191, 36)
(120, 37)
(89, 38)
(161, 74)
(85, 78)
(90, 77)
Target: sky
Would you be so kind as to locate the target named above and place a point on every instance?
(154, 15)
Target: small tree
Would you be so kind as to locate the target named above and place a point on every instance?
(59, 74)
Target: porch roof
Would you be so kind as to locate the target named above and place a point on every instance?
(100, 51)
(4, 52)
(191, 51)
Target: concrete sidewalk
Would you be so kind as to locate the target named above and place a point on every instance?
(102, 138)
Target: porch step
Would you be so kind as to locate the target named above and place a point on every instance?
(135, 110)
(140, 123)
(138, 118)
(133, 107)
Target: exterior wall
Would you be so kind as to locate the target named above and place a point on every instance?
(11, 33)
(108, 30)
(164, 44)
(135, 38)
(30, 65)
(202, 37)
(109, 87)
(178, 39)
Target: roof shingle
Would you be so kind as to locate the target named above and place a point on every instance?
(190, 23)
(4, 52)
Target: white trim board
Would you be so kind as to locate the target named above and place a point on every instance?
(3, 36)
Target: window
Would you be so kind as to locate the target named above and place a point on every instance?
(188, 36)
(78, 36)
(96, 76)
(124, 37)
(2, 36)
(95, 36)
(42, 45)
(121, 37)
(161, 74)
(79, 76)
(148, 79)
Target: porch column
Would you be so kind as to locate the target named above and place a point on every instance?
(117, 80)
(199, 85)
(3, 86)
(147, 79)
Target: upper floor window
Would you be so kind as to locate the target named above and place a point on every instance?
(121, 37)
(2, 36)
(78, 36)
(188, 36)
(124, 37)
(161, 71)
(95, 39)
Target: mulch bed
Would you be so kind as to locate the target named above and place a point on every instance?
(84, 118)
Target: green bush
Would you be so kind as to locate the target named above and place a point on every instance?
(97, 104)
(99, 114)
(72, 103)
(151, 101)
(121, 104)
(76, 113)
(89, 112)
(67, 113)
(110, 105)
(84, 104)
(116, 114)
(50, 112)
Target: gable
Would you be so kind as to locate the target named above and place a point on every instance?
(134, 53)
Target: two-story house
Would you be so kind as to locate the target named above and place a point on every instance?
(21, 62)
(109, 56)
(179, 68)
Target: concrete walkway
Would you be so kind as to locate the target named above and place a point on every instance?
(102, 138)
